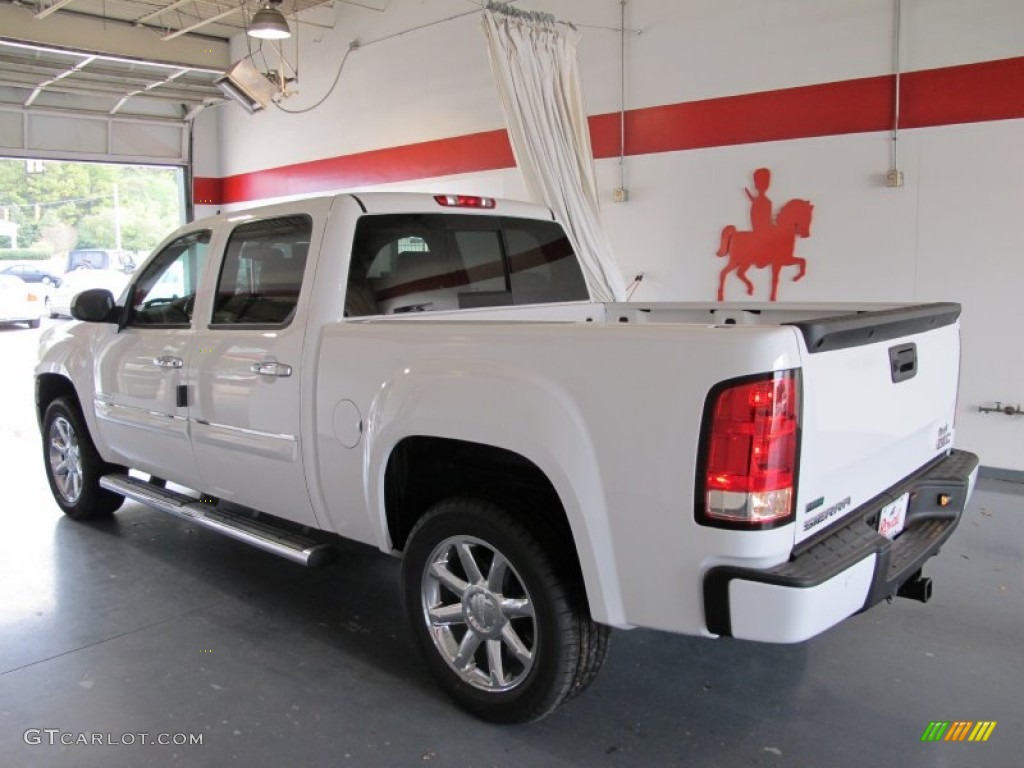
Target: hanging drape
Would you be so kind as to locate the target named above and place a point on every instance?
(537, 75)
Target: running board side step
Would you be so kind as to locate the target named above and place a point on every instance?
(278, 541)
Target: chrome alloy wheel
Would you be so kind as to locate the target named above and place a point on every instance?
(482, 625)
(65, 459)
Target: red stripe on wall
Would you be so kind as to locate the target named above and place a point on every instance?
(992, 90)
(207, 191)
(444, 157)
(853, 106)
(971, 93)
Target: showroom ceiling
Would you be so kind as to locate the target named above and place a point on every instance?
(218, 19)
(46, 76)
(154, 58)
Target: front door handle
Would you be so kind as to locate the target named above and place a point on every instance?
(271, 369)
(168, 361)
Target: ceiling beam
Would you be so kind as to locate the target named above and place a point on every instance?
(209, 20)
(71, 31)
(54, 6)
(6, 42)
(160, 11)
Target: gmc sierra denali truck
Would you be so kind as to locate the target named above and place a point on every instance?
(428, 374)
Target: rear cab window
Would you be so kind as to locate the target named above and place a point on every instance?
(404, 263)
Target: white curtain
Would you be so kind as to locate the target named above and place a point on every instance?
(537, 75)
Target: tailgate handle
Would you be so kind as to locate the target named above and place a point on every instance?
(903, 362)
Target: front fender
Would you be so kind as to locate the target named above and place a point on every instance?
(67, 350)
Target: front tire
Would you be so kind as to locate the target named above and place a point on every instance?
(73, 466)
(503, 633)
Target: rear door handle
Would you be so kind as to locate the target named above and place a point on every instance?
(271, 369)
(168, 361)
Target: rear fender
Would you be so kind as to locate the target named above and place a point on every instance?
(510, 409)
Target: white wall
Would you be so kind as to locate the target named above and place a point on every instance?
(952, 232)
(206, 154)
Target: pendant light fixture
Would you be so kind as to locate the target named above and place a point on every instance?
(269, 23)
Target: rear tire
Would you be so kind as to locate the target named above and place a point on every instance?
(594, 641)
(73, 466)
(500, 630)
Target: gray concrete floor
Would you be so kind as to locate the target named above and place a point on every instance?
(146, 625)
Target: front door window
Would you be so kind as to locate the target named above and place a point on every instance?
(165, 293)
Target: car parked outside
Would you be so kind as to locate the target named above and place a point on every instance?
(101, 258)
(31, 272)
(20, 302)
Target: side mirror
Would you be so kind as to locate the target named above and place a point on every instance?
(95, 305)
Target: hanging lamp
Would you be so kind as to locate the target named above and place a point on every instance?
(269, 23)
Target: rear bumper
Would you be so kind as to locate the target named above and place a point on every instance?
(21, 317)
(849, 570)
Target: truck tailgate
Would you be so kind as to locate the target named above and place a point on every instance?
(879, 401)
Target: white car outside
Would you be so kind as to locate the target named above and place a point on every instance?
(20, 302)
(79, 280)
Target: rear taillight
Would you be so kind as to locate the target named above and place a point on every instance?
(31, 296)
(465, 201)
(749, 452)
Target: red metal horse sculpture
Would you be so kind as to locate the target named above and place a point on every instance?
(770, 247)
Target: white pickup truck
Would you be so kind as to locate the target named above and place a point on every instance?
(427, 374)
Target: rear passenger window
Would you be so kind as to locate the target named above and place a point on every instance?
(433, 262)
(261, 275)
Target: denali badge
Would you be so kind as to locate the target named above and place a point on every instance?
(815, 504)
(825, 514)
(945, 437)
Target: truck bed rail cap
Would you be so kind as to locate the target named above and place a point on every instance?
(854, 330)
